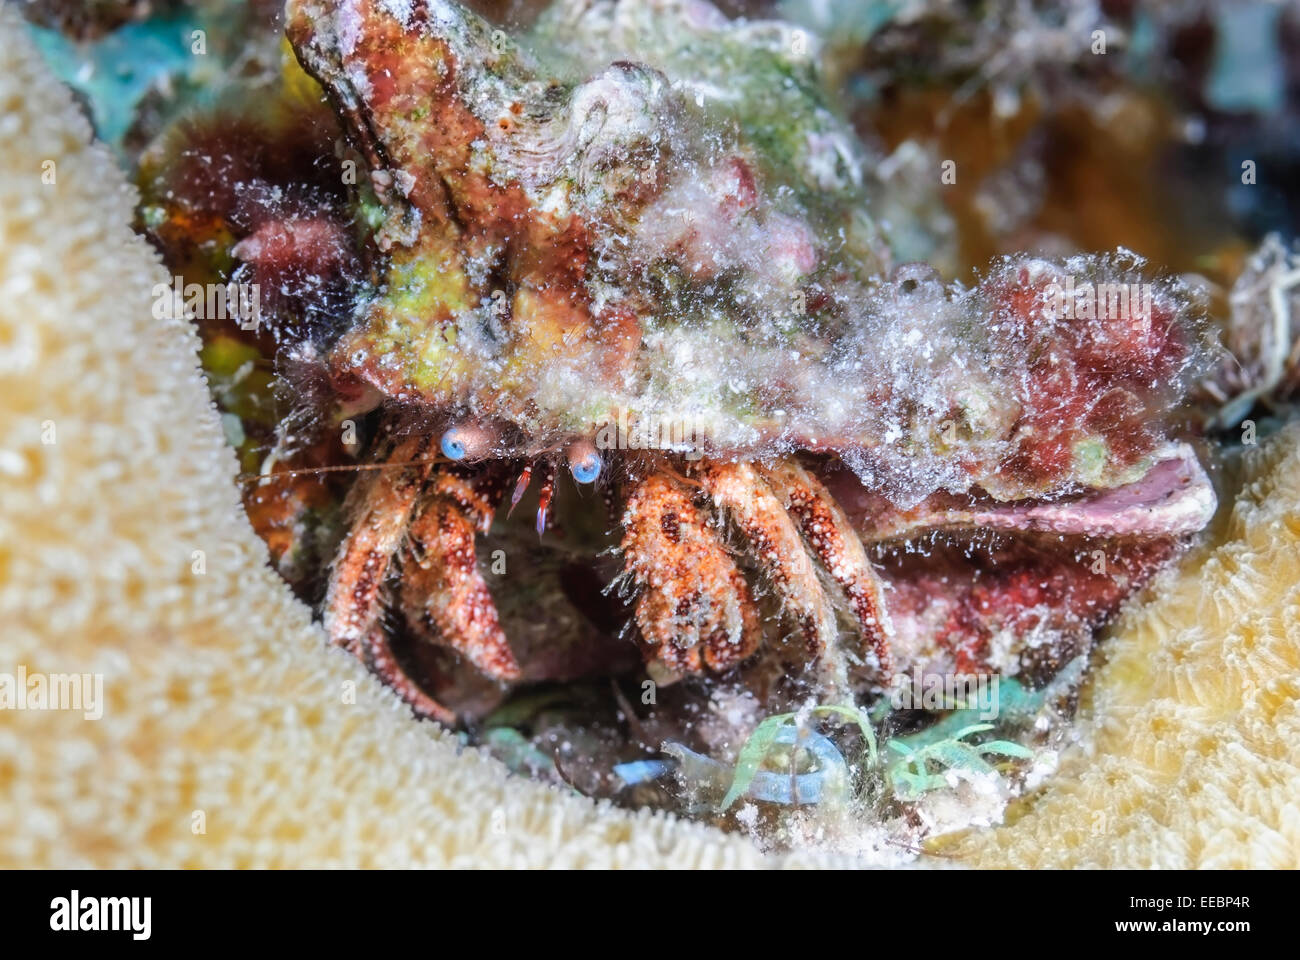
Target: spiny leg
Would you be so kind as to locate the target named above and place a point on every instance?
(382, 509)
(693, 593)
(377, 654)
(658, 613)
(741, 493)
(443, 592)
(830, 534)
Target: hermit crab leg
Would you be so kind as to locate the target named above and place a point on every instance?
(831, 537)
(741, 493)
(693, 593)
(656, 614)
(365, 556)
(377, 654)
(443, 579)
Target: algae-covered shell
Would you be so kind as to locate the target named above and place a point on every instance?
(648, 213)
(571, 219)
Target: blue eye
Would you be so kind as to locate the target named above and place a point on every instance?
(453, 448)
(587, 469)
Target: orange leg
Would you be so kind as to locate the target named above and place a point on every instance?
(833, 540)
(381, 509)
(442, 585)
(377, 654)
(741, 493)
(693, 594)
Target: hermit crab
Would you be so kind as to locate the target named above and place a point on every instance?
(638, 251)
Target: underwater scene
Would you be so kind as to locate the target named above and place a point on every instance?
(758, 411)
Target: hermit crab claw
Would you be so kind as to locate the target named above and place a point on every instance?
(697, 611)
(427, 517)
(695, 607)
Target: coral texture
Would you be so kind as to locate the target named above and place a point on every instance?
(1189, 751)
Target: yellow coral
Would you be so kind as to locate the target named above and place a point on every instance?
(1192, 727)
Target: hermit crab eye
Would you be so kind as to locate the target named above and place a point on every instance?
(584, 462)
(453, 444)
(587, 469)
(470, 441)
